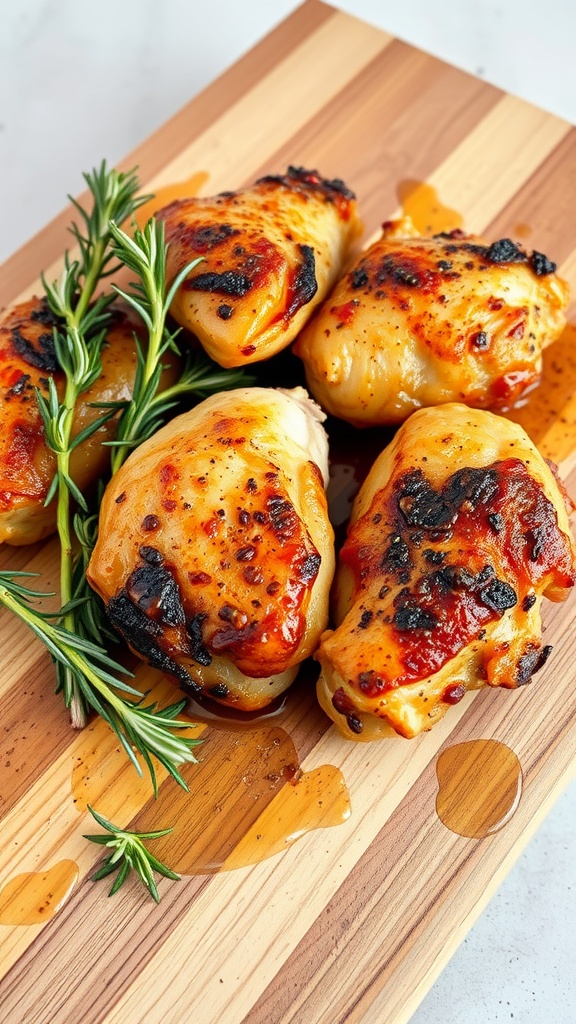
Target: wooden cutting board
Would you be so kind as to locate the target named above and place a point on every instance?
(354, 921)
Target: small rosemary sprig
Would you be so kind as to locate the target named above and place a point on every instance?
(129, 854)
(139, 727)
(78, 346)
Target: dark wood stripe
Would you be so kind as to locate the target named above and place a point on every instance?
(35, 730)
(546, 204)
(389, 102)
(312, 977)
(165, 144)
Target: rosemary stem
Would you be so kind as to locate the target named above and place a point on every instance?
(91, 280)
(130, 426)
(72, 695)
(155, 337)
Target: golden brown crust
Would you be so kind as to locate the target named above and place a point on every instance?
(422, 321)
(270, 254)
(215, 552)
(458, 532)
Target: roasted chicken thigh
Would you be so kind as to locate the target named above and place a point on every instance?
(27, 360)
(459, 530)
(422, 321)
(215, 553)
(270, 254)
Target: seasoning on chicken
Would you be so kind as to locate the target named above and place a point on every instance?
(459, 530)
(27, 361)
(270, 252)
(215, 553)
(423, 321)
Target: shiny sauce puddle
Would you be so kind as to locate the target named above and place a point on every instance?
(248, 797)
(34, 897)
(479, 787)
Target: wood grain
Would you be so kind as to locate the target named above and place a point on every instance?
(351, 923)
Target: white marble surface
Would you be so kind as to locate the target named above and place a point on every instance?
(81, 81)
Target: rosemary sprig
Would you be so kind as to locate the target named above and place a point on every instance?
(145, 254)
(129, 854)
(140, 728)
(78, 346)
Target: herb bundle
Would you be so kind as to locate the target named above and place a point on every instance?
(78, 345)
(76, 636)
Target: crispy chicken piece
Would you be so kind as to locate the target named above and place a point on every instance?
(270, 253)
(27, 360)
(457, 533)
(423, 321)
(215, 553)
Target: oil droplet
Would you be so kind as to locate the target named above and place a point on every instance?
(548, 414)
(521, 230)
(168, 193)
(421, 202)
(239, 776)
(318, 799)
(34, 897)
(479, 787)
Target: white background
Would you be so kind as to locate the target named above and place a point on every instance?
(80, 81)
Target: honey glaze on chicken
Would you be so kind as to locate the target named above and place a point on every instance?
(215, 554)
(422, 321)
(27, 466)
(458, 531)
(270, 253)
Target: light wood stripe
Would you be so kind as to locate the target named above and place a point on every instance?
(481, 176)
(547, 202)
(54, 823)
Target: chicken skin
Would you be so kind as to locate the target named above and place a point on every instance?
(458, 531)
(215, 553)
(423, 321)
(270, 254)
(27, 361)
